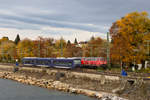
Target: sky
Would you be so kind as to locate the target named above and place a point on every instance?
(69, 19)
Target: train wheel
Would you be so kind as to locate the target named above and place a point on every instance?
(95, 67)
(104, 66)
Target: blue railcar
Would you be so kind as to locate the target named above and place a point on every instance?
(29, 61)
(52, 62)
(46, 62)
(66, 63)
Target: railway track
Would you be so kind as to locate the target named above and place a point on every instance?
(131, 75)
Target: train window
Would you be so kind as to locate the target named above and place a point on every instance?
(56, 62)
(101, 59)
(40, 62)
(46, 62)
(77, 61)
(69, 63)
(63, 63)
(88, 59)
(27, 61)
(32, 61)
(49, 61)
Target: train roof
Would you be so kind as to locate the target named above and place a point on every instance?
(50, 58)
(35, 58)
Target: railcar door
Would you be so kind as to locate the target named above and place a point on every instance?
(76, 63)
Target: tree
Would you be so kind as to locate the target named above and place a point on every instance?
(43, 47)
(68, 43)
(92, 38)
(7, 50)
(4, 39)
(96, 47)
(75, 41)
(17, 39)
(25, 48)
(128, 35)
(60, 47)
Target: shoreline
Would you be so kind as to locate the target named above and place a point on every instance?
(54, 84)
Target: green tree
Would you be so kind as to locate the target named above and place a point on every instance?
(75, 41)
(68, 43)
(17, 39)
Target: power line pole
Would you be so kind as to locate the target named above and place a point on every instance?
(39, 46)
(91, 51)
(61, 46)
(108, 51)
(147, 45)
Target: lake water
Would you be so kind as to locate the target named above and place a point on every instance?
(11, 90)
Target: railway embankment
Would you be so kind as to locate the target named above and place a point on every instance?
(103, 87)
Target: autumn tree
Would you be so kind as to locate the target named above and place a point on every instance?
(43, 47)
(25, 48)
(3, 39)
(96, 47)
(128, 35)
(60, 47)
(7, 50)
(73, 51)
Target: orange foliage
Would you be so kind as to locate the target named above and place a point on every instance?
(128, 35)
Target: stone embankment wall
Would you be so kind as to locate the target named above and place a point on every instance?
(68, 81)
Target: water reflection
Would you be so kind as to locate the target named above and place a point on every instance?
(10, 90)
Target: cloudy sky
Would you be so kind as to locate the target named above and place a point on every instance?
(63, 18)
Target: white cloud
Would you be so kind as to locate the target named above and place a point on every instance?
(71, 19)
(53, 32)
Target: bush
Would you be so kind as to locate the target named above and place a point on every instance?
(147, 70)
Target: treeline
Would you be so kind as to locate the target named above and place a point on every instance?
(49, 47)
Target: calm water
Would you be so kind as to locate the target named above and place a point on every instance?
(10, 90)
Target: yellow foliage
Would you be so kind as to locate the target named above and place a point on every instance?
(25, 48)
(128, 44)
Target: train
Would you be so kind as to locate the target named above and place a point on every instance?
(70, 63)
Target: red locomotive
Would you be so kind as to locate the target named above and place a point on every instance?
(93, 62)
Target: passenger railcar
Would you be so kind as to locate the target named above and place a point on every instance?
(52, 62)
(33, 61)
(66, 63)
(28, 61)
